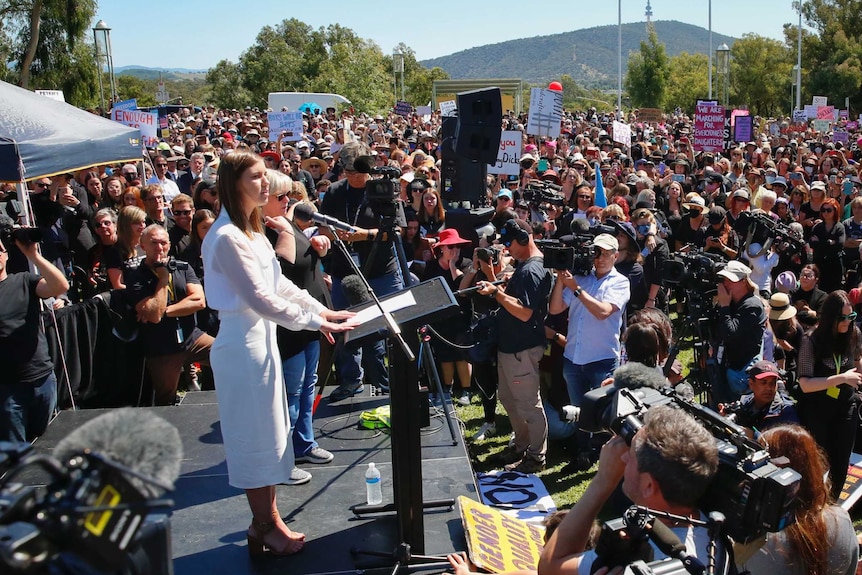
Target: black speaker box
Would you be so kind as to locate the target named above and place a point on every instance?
(461, 178)
(480, 118)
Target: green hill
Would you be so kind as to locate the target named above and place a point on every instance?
(589, 56)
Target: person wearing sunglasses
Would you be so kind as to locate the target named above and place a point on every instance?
(182, 210)
(829, 374)
(827, 243)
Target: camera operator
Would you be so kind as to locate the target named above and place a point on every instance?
(670, 463)
(521, 329)
(596, 303)
(28, 386)
(345, 200)
(765, 406)
(741, 322)
(166, 295)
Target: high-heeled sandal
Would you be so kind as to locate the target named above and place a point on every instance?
(257, 546)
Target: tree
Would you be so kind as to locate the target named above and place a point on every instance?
(760, 74)
(688, 81)
(225, 81)
(129, 87)
(648, 72)
(832, 60)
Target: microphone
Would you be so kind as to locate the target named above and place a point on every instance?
(669, 544)
(331, 222)
(636, 375)
(471, 289)
(138, 440)
(354, 290)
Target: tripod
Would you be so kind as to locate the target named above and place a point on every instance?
(697, 328)
(426, 360)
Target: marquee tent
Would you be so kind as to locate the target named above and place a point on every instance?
(43, 137)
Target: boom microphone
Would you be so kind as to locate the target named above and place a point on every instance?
(354, 290)
(331, 222)
(669, 544)
(136, 439)
(636, 375)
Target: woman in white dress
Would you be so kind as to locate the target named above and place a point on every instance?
(245, 285)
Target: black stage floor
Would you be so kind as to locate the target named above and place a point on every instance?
(210, 518)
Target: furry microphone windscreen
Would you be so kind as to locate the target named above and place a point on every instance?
(354, 290)
(135, 438)
(635, 375)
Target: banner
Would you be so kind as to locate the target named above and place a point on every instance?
(509, 154)
(622, 133)
(146, 122)
(742, 129)
(546, 110)
(708, 134)
(53, 94)
(288, 122)
(497, 542)
(131, 104)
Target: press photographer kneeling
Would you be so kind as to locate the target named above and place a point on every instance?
(669, 465)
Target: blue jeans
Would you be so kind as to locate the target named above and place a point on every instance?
(300, 377)
(26, 408)
(582, 378)
(558, 428)
(352, 362)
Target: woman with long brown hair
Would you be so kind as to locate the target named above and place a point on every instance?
(830, 372)
(127, 251)
(827, 243)
(821, 540)
(244, 283)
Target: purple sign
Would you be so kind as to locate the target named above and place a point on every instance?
(742, 129)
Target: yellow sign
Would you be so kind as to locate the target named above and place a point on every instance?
(649, 115)
(507, 100)
(497, 542)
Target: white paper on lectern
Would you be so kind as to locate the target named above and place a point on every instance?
(391, 305)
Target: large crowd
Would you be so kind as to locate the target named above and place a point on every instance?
(755, 250)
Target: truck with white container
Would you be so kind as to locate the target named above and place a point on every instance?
(291, 101)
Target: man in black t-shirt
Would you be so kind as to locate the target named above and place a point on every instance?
(166, 301)
(373, 250)
(28, 386)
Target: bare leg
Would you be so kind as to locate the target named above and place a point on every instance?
(447, 369)
(465, 373)
(267, 526)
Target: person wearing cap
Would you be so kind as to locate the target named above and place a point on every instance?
(786, 333)
(765, 406)
(809, 212)
(345, 200)
(692, 227)
(504, 208)
(720, 238)
(521, 344)
(596, 305)
(741, 323)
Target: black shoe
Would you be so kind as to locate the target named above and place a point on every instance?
(527, 465)
(506, 457)
(579, 464)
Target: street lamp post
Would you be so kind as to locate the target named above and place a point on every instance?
(722, 64)
(398, 66)
(102, 38)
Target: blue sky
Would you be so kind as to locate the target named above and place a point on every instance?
(198, 33)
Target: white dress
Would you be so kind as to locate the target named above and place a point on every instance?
(244, 283)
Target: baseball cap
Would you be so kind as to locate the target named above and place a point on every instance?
(763, 369)
(606, 242)
(735, 271)
(716, 214)
(505, 194)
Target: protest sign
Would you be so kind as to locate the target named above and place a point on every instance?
(403, 109)
(53, 94)
(146, 122)
(818, 101)
(826, 112)
(546, 109)
(799, 116)
(448, 108)
(509, 154)
(708, 134)
(131, 104)
(743, 128)
(821, 126)
(811, 112)
(622, 133)
(852, 125)
(649, 115)
(840, 136)
(497, 542)
(844, 114)
(289, 122)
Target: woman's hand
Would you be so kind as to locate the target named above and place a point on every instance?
(460, 563)
(336, 314)
(327, 328)
(279, 224)
(852, 378)
(650, 243)
(321, 244)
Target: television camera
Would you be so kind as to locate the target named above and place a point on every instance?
(573, 252)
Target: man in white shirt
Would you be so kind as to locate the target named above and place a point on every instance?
(160, 177)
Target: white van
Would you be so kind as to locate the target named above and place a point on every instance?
(291, 101)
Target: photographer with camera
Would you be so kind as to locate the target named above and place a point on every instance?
(669, 465)
(766, 405)
(166, 294)
(28, 386)
(741, 323)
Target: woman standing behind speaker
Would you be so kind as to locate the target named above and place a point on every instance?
(245, 285)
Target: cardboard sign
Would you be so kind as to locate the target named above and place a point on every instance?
(649, 115)
(811, 112)
(852, 125)
(546, 110)
(146, 122)
(289, 122)
(840, 136)
(497, 542)
(799, 116)
(403, 108)
(821, 125)
(852, 489)
(131, 104)
(53, 94)
(448, 108)
(622, 133)
(826, 112)
(743, 128)
(708, 133)
(818, 101)
(509, 154)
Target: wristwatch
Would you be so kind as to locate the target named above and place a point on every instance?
(577, 291)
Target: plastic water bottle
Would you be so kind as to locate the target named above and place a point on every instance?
(373, 492)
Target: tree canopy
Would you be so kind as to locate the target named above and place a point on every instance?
(649, 73)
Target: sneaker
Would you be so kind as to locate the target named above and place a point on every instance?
(298, 477)
(465, 398)
(344, 392)
(487, 430)
(316, 455)
(527, 465)
(505, 457)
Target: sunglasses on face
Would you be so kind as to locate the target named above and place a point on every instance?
(849, 317)
(826, 210)
(280, 197)
(182, 212)
(41, 185)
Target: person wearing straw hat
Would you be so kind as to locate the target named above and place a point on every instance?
(786, 333)
(316, 167)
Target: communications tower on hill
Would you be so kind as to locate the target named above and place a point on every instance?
(648, 12)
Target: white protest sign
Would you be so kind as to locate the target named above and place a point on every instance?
(811, 112)
(546, 109)
(423, 110)
(448, 108)
(623, 133)
(509, 154)
(53, 94)
(818, 101)
(799, 117)
(146, 122)
(290, 122)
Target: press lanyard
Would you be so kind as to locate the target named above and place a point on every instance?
(834, 392)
